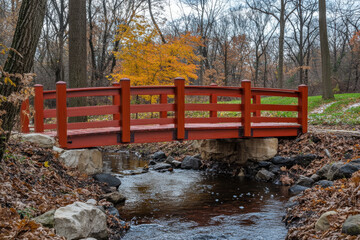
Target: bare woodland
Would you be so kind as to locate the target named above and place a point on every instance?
(274, 43)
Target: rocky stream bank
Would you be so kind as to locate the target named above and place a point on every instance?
(40, 196)
(321, 170)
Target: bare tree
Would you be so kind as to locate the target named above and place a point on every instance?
(325, 53)
(77, 50)
(269, 7)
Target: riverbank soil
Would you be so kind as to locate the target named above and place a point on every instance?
(33, 181)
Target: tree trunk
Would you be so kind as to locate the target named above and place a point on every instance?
(77, 51)
(325, 54)
(25, 41)
(281, 46)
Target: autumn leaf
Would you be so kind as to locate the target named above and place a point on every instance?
(7, 80)
(46, 164)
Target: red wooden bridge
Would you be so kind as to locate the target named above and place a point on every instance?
(125, 128)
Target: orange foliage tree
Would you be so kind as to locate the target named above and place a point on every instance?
(355, 42)
(145, 60)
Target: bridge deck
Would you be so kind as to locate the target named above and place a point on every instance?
(82, 138)
(124, 127)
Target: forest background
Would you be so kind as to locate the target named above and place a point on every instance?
(230, 41)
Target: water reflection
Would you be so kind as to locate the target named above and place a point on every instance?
(185, 203)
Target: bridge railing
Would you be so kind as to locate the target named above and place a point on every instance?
(121, 109)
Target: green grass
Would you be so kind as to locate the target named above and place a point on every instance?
(332, 115)
(335, 114)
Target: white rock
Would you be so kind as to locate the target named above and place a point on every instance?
(80, 220)
(323, 224)
(57, 149)
(41, 140)
(91, 201)
(87, 161)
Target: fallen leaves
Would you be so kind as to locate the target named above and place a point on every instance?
(343, 198)
(34, 181)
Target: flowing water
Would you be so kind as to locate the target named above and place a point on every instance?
(187, 204)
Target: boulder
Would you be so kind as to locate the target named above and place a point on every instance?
(191, 163)
(58, 150)
(264, 164)
(284, 161)
(304, 181)
(176, 164)
(324, 183)
(40, 140)
(347, 170)
(293, 201)
(275, 169)
(323, 224)
(80, 220)
(160, 166)
(169, 159)
(305, 159)
(113, 211)
(322, 171)
(238, 150)
(87, 161)
(91, 201)
(111, 180)
(46, 219)
(296, 189)
(351, 225)
(264, 175)
(159, 156)
(339, 170)
(114, 197)
(315, 177)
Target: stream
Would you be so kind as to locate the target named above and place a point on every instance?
(188, 204)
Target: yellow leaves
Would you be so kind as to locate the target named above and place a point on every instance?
(146, 61)
(7, 80)
(46, 164)
(4, 49)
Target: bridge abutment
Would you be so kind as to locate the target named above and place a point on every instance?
(237, 151)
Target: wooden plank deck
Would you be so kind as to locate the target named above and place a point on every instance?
(164, 133)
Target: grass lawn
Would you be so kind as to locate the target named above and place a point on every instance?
(336, 113)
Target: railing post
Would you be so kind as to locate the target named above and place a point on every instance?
(303, 107)
(116, 101)
(125, 110)
(39, 108)
(213, 99)
(24, 116)
(257, 100)
(246, 107)
(180, 108)
(163, 100)
(61, 113)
